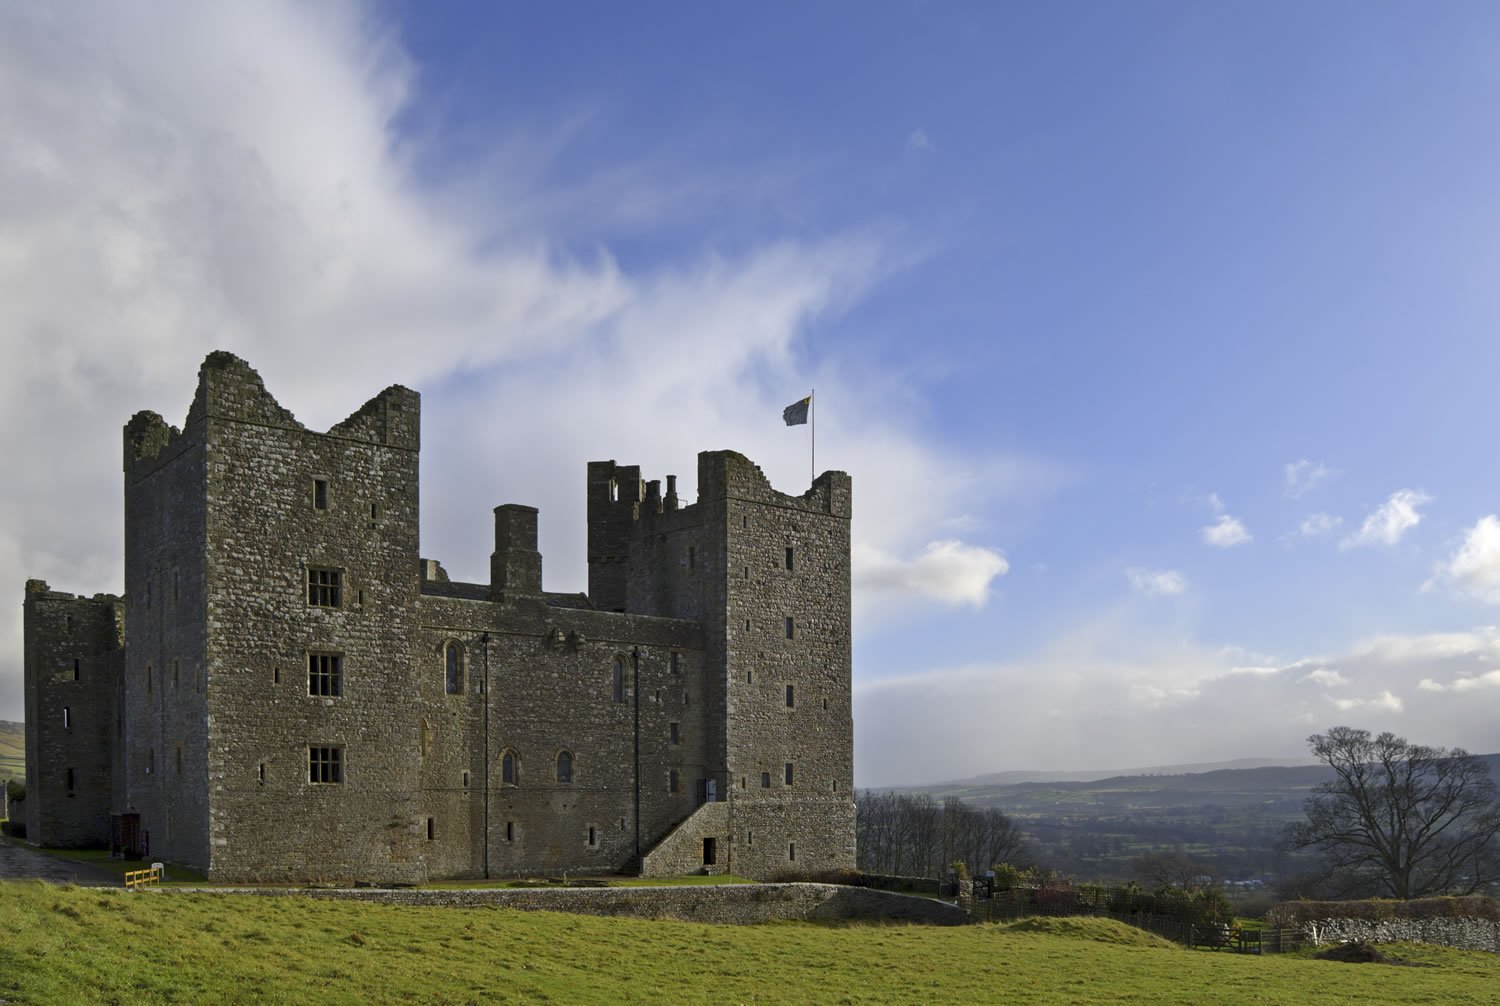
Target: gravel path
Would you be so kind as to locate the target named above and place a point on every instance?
(20, 863)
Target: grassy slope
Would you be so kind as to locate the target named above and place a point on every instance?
(12, 750)
(69, 945)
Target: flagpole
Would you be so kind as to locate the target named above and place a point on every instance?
(812, 412)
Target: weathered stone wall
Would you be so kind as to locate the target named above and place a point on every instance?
(730, 904)
(163, 732)
(1465, 934)
(71, 662)
(269, 525)
(685, 851)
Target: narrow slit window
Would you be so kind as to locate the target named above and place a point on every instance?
(431, 828)
(564, 767)
(617, 675)
(276, 675)
(791, 851)
(789, 558)
(179, 759)
(320, 494)
(510, 831)
(77, 668)
(176, 672)
(675, 661)
(675, 733)
(510, 772)
(68, 718)
(148, 679)
(72, 780)
(674, 781)
(466, 780)
(454, 667)
(788, 773)
(260, 774)
(791, 700)
(593, 838)
(692, 556)
(791, 627)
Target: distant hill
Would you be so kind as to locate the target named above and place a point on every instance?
(1091, 775)
(12, 750)
(1094, 824)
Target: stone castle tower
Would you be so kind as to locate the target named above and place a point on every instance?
(287, 691)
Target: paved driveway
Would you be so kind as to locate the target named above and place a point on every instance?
(20, 863)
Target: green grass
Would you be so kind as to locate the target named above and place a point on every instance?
(12, 750)
(73, 945)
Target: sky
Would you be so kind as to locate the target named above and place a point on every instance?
(1160, 339)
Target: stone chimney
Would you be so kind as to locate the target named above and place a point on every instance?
(515, 565)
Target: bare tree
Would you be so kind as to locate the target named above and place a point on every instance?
(1400, 820)
(912, 834)
(1173, 869)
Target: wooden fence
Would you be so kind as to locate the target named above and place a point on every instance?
(137, 879)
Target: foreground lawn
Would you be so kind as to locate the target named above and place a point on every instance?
(71, 945)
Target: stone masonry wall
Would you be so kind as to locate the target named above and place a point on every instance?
(72, 650)
(1465, 934)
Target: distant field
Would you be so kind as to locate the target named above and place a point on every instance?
(71, 945)
(12, 750)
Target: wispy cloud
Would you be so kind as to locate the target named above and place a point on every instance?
(1226, 532)
(1328, 677)
(1474, 567)
(919, 142)
(1385, 701)
(1303, 476)
(1489, 679)
(1317, 525)
(1156, 582)
(946, 571)
(1390, 521)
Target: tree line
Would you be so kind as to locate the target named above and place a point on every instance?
(916, 835)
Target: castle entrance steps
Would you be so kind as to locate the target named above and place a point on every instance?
(696, 845)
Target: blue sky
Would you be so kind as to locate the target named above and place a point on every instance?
(1158, 338)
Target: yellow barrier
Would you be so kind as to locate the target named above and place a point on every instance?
(135, 879)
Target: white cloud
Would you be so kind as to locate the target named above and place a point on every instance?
(1474, 569)
(1316, 525)
(1467, 683)
(1328, 677)
(946, 571)
(235, 177)
(919, 142)
(1303, 476)
(1226, 532)
(1389, 521)
(1385, 701)
(1156, 582)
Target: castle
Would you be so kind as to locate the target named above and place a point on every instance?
(286, 691)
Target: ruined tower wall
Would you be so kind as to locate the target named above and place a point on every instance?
(287, 508)
(71, 667)
(163, 740)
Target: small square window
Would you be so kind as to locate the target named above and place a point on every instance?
(325, 765)
(325, 674)
(320, 494)
(325, 588)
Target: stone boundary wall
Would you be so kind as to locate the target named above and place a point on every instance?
(730, 904)
(1460, 933)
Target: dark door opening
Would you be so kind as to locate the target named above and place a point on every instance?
(710, 852)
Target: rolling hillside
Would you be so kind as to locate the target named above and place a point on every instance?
(12, 750)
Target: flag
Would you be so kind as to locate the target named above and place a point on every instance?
(796, 413)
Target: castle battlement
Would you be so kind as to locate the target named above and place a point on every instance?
(289, 691)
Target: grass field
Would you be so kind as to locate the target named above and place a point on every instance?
(12, 750)
(71, 945)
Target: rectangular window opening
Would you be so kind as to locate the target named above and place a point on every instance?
(791, 628)
(431, 828)
(67, 718)
(749, 838)
(676, 736)
(466, 780)
(77, 668)
(765, 780)
(789, 558)
(675, 662)
(176, 672)
(674, 782)
(325, 674)
(320, 494)
(791, 851)
(325, 765)
(791, 702)
(325, 588)
(260, 773)
(710, 852)
(276, 675)
(692, 556)
(510, 831)
(179, 759)
(72, 780)
(788, 773)
(593, 838)
(374, 511)
(148, 679)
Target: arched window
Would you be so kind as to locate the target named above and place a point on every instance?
(510, 769)
(565, 766)
(454, 658)
(618, 677)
